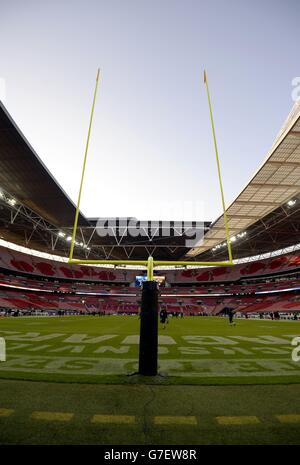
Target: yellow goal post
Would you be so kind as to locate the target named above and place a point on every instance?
(150, 263)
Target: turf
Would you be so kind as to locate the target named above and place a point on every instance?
(192, 350)
(217, 385)
(28, 402)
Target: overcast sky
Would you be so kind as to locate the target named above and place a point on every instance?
(151, 145)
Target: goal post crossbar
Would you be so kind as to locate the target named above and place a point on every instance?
(150, 263)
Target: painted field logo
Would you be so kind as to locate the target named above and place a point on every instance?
(296, 350)
(2, 350)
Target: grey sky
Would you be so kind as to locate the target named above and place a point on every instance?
(151, 140)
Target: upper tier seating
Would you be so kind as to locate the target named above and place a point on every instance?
(32, 265)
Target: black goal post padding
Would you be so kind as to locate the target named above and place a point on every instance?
(149, 329)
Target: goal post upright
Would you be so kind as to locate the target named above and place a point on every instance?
(219, 170)
(83, 168)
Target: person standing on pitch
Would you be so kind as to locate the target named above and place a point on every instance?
(230, 314)
(163, 317)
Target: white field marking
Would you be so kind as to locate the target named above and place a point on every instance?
(208, 340)
(30, 337)
(2, 350)
(71, 365)
(262, 340)
(296, 351)
(16, 346)
(162, 350)
(233, 350)
(38, 348)
(271, 350)
(115, 366)
(131, 340)
(114, 350)
(228, 368)
(134, 339)
(79, 349)
(86, 339)
(69, 348)
(163, 340)
(194, 351)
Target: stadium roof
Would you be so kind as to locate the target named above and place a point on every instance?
(25, 177)
(36, 212)
(263, 200)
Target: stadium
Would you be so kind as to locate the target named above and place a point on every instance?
(72, 330)
(149, 229)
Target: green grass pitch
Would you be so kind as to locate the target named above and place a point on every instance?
(69, 380)
(192, 350)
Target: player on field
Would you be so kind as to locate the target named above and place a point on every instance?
(230, 316)
(230, 313)
(163, 317)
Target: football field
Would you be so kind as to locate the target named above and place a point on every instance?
(192, 350)
(72, 380)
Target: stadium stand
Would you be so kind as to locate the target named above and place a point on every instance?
(30, 285)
